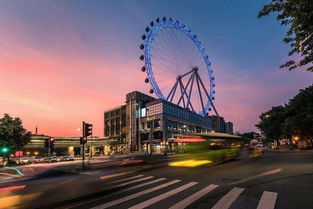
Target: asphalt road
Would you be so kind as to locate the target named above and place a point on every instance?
(280, 180)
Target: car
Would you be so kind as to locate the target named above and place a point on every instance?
(54, 159)
(39, 159)
(67, 158)
(25, 160)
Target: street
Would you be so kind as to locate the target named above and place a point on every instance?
(282, 179)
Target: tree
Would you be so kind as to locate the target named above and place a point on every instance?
(271, 123)
(298, 14)
(293, 119)
(299, 119)
(248, 136)
(12, 133)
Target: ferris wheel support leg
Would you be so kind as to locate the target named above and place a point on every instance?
(190, 90)
(183, 75)
(183, 90)
(172, 90)
(185, 93)
(199, 90)
(207, 94)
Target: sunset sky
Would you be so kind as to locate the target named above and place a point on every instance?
(62, 62)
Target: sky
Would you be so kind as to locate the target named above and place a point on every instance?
(62, 62)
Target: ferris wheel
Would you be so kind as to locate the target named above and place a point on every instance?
(177, 66)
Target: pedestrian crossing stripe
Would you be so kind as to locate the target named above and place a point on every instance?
(163, 196)
(267, 200)
(189, 200)
(228, 199)
(132, 196)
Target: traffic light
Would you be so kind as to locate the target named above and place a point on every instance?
(49, 141)
(83, 140)
(4, 150)
(52, 140)
(87, 129)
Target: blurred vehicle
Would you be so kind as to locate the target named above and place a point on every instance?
(303, 144)
(54, 159)
(260, 147)
(45, 159)
(66, 158)
(39, 159)
(25, 160)
(32, 159)
(12, 161)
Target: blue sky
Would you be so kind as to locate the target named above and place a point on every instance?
(96, 43)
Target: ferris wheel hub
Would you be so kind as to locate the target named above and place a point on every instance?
(195, 68)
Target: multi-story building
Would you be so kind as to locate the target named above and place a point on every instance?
(115, 126)
(135, 102)
(229, 128)
(218, 123)
(145, 120)
(122, 122)
(162, 122)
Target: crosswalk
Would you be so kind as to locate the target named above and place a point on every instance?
(137, 192)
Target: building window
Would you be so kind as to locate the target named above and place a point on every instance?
(107, 128)
(118, 126)
(157, 123)
(112, 127)
(149, 124)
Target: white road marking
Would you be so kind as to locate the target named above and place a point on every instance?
(228, 199)
(134, 181)
(129, 178)
(163, 196)
(271, 172)
(118, 192)
(113, 175)
(138, 194)
(267, 200)
(189, 200)
(137, 186)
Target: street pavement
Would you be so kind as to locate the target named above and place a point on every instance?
(280, 180)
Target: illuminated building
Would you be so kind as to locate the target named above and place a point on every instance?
(144, 119)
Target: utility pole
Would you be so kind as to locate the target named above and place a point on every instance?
(150, 138)
(83, 163)
(90, 150)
